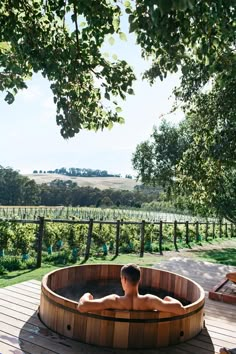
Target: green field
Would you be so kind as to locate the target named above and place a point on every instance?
(23, 275)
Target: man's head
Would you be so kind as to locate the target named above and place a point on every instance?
(131, 273)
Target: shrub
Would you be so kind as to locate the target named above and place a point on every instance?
(6, 235)
(24, 238)
(11, 263)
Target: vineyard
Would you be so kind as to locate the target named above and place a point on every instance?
(87, 213)
(69, 235)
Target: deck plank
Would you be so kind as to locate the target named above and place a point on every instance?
(21, 331)
(9, 349)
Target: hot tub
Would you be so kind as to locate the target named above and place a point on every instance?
(115, 328)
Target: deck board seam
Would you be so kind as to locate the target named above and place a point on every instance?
(24, 288)
(20, 293)
(27, 341)
(13, 303)
(12, 295)
(13, 347)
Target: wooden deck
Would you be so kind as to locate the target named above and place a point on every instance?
(22, 332)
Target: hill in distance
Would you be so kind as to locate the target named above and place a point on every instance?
(93, 182)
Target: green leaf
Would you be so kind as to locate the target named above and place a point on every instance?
(127, 3)
(116, 24)
(130, 91)
(83, 24)
(106, 55)
(122, 36)
(121, 120)
(114, 56)
(111, 41)
(128, 10)
(133, 24)
(107, 96)
(9, 98)
(5, 46)
(118, 109)
(110, 125)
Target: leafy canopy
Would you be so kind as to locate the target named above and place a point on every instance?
(193, 36)
(207, 171)
(196, 160)
(196, 38)
(62, 39)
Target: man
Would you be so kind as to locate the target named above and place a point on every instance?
(131, 300)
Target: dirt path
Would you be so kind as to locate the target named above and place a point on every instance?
(195, 250)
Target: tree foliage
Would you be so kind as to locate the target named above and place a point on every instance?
(196, 37)
(203, 170)
(208, 168)
(155, 160)
(62, 39)
(16, 189)
(80, 172)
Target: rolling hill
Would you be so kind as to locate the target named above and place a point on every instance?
(94, 182)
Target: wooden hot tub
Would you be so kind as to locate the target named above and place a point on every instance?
(115, 328)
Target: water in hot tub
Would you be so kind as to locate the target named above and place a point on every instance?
(102, 288)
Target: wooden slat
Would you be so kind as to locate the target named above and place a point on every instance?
(20, 296)
(27, 287)
(9, 349)
(212, 323)
(17, 307)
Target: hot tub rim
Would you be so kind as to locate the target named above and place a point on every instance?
(73, 304)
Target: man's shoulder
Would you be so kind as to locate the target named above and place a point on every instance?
(148, 297)
(112, 297)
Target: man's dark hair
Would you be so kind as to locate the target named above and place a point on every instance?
(131, 272)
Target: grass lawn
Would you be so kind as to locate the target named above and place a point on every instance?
(222, 256)
(23, 275)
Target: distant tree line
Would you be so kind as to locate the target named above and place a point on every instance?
(80, 172)
(16, 189)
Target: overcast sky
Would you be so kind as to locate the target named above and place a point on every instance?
(30, 138)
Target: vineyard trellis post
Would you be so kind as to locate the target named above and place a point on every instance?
(206, 231)
(117, 237)
(197, 238)
(187, 232)
(89, 239)
(213, 230)
(175, 235)
(40, 241)
(142, 232)
(160, 237)
(226, 230)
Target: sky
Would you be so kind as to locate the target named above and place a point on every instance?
(30, 138)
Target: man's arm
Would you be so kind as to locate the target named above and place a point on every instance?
(176, 305)
(87, 303)
(168, 304)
